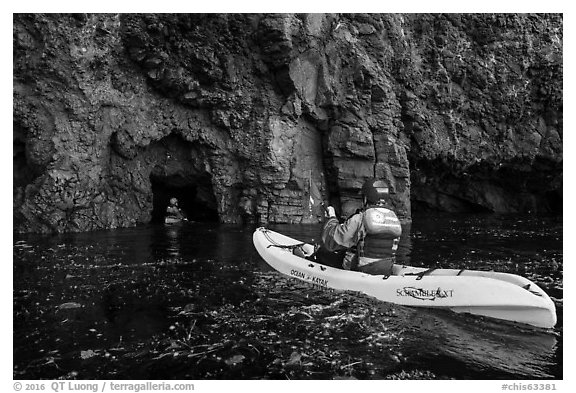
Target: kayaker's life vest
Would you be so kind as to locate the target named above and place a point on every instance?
(382, 232)
(173, 211)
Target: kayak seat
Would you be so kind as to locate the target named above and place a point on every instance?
(299, 252)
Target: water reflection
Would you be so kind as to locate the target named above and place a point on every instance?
(173, 240)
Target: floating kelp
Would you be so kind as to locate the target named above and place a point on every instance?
(208, 315)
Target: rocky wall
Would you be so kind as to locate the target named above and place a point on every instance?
(457, 112)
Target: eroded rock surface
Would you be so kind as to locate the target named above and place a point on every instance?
(239, 115)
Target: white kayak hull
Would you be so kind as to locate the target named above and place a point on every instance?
(497, 295)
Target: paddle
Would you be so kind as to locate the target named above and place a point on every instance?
(316, 201)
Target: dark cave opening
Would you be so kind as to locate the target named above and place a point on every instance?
(23, 174)
(195, 198)
(516, 186)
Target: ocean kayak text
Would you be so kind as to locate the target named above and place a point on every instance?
(314, 280)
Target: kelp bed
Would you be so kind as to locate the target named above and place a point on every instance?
(169, 320)
(88, 311)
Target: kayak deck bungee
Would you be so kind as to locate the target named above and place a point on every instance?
(497, 295)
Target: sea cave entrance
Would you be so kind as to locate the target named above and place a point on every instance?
(195, 197)
(23, 172)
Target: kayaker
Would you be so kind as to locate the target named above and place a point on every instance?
(371, 236)
(174, 211)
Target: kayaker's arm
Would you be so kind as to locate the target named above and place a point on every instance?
(336, 236)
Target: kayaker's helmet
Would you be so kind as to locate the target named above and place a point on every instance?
(173, 201)
(375, 190)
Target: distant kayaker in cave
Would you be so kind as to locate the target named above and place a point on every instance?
(173, 211)
(370, 237)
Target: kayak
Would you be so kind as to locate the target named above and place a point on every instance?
(491, 294)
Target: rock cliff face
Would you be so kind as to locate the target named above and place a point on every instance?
(239, 116)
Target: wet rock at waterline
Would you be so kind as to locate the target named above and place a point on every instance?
(240, 116)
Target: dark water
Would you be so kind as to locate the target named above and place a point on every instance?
(196, 301)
